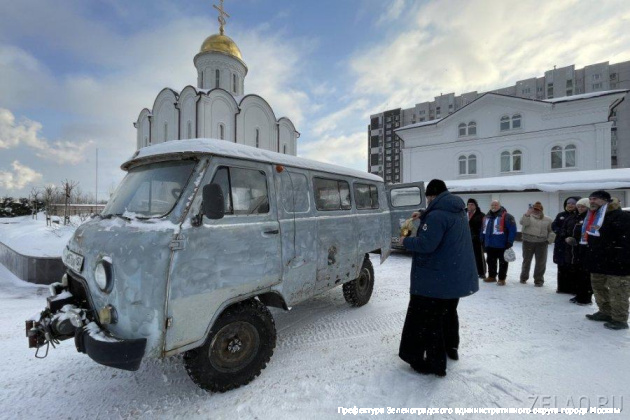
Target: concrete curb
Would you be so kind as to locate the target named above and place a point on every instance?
(38, 270)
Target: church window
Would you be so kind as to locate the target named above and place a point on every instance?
(165, 131)
(284, 149)
(462, 129)
(257, 137)
(512, 162)
(189, 133)
(234, 80)
(505, 123)
(467, 164)
(221, 131)
(472, 128)
(472, 164)
(217, 77)
(462, 165)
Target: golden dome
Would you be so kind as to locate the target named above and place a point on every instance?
(221, 43)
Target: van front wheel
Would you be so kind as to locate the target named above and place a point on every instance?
(238, 348)
(358, 291)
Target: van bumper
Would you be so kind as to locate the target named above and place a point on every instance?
(108, 350)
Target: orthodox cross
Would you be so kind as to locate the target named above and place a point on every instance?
(222, 15)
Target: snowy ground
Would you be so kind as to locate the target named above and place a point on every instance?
(33, 238)
(521, 347)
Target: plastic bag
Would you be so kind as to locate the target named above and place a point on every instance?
(509, 255)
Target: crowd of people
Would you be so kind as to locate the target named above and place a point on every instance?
(591, 238)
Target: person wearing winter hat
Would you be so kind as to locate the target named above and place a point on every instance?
(475, 220)
(537, 235)
(575, 253)
(606, 231)
(442, 272)
(498, 232)
(565, 279)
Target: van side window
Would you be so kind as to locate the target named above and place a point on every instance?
(295, 194)
(331, 194)
(407, 196)
(366, 196)
(245, 190)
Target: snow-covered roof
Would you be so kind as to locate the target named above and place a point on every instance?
(584, 96)
(603, 179)
(421, 124)
(229, 149)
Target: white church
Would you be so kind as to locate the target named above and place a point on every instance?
(217, 107)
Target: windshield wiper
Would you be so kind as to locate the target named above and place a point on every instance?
(109, 216)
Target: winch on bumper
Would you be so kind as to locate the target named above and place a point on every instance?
(63, 319)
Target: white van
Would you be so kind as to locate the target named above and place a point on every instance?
(199, 239)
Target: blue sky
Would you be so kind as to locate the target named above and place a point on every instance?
(74, 74)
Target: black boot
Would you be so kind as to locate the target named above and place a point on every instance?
(452, 354)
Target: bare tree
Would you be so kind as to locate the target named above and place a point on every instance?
(67, 186)
(50, 194)
(34, 197)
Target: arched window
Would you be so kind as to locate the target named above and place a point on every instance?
(462, 129)
(467, 165)
(472, 164)
(517, 158)
(146, 141)
(563, 158)
(221, 131)
(284, 149)
(257, 137)
(556, 157)
(472, 128)
(189, 129)
(462, 165)
(512, 162)
(505, 123)
(516, 121)
(217, 77)
(165, 131)
(234, 83)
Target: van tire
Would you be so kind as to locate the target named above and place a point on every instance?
(358, 291)
(246, 326)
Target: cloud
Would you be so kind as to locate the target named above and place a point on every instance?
(350, 151)
(19, 178)
(329, 122)
(27, 133)
(454, 46)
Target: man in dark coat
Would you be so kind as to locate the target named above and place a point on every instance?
(475, 220)
(566, 279)
(497, 234)
(606, 231)
(442, 271)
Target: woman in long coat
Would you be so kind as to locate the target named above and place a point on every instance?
(565, 283)
(475, 221)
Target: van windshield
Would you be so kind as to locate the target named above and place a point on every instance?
(150, 190)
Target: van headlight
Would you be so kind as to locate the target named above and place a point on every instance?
(103, 275)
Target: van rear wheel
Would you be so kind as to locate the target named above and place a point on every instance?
(358, 291)
(238, 348)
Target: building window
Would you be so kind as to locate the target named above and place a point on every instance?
(217, 77)
(569, 92)
(472, 164)
(257, 138)
(597, 85)
(505, 123)
(284, 149)
(189, 130)
(569, 84)
(146, 141)
(165, 131)
(462, 129)
(467, 165)
(597, 76)
(511, 162)
(563, 157)
(221, 131)
(613, 76)
(234, 83)
(472, 128)
(516, 121)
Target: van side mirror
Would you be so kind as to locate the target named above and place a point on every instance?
(213, 205)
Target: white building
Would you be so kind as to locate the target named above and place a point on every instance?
(498, 136)
(217, 107)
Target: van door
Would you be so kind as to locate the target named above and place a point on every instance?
(223, 260)
(298, 230)
(403, 200)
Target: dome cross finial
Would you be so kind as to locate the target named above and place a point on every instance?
(222, 15)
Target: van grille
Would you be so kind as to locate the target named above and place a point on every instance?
(77, 287)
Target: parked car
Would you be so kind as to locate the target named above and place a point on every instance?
(203, 235)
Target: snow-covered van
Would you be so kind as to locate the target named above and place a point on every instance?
(200, 237)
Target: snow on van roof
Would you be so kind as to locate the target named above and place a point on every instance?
(602, 179)
(227, 148)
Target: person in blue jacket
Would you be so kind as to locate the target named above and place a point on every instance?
(442, 271)
(498, 231)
